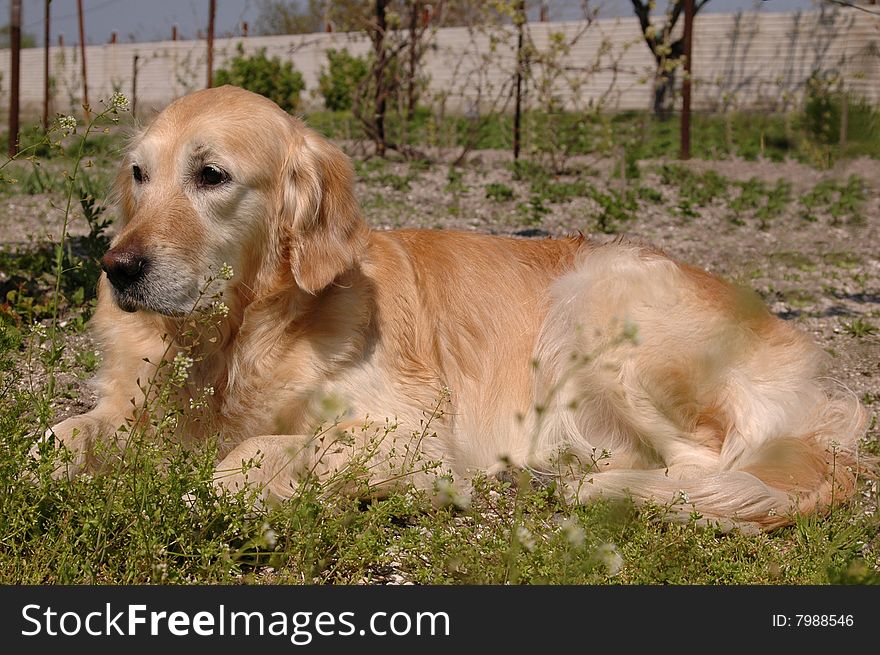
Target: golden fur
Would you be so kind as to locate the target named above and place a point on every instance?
(617, 369)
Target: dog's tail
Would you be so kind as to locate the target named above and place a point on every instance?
(763, 488)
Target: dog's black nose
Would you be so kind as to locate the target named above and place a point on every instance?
(123, 267)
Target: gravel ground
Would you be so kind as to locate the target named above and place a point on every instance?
(822, 275)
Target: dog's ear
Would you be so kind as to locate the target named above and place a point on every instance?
(322, 219)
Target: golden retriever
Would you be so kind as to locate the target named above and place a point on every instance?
(613, 367)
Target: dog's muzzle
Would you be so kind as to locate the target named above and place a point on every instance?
(125, 268)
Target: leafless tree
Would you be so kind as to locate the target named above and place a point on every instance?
(666, 50)
(394, 80)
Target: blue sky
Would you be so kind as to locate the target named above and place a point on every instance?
(151, 20)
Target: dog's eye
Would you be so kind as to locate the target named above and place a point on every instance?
(211, 176)
(138, 174)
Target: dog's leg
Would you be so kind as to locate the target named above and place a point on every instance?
(132, 348)
(79, 436)
(352, 458)
(269, 464)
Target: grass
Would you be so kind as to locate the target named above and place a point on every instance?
(155, 519)
(859, 328)
(792, 259)
(843, 202)
(133, 527)
(499, 192)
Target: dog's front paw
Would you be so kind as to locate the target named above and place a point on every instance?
(74, 441)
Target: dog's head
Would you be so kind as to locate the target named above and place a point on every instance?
(225, 177)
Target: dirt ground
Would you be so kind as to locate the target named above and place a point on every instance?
(823, 275)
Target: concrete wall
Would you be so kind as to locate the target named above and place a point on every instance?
(745, 61)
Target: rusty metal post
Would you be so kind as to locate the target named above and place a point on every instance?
(380, 49)
(134, 86)
(686, 83)
(212, 12)
(517, 107)
(46, 38)
(244, 28)
(174, 32)
(15, 73)
(82, 50)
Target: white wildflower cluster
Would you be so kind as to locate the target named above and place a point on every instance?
(526, 538)
(226, 272)
(449, 495)
(202, 401)
(611, 558)
(180, 368)
(118, 101)
(269, 536)
(67, 124)
(39, 330)
(169, 423)
(219, 308)
(683, 497)
(573, 531)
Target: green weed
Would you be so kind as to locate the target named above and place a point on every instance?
(859, 328)
(615, 208)
(532, 212)
(756, 198)
(499, 192)
(793, 259)
(840, 201)
(694, 188)
(650, 195)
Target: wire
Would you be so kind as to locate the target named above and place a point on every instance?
(849, 5)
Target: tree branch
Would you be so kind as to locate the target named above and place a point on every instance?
(643, 13)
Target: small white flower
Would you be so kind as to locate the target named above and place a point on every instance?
(611, 558)
(526, 538)
(219, 308)
(683, 496)
(39, 329)
(181, 365)
(119, 101)
(67, 124)
(449, 495)
(202, 401)
(270, 537)
(226, 272)
(573, 531)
